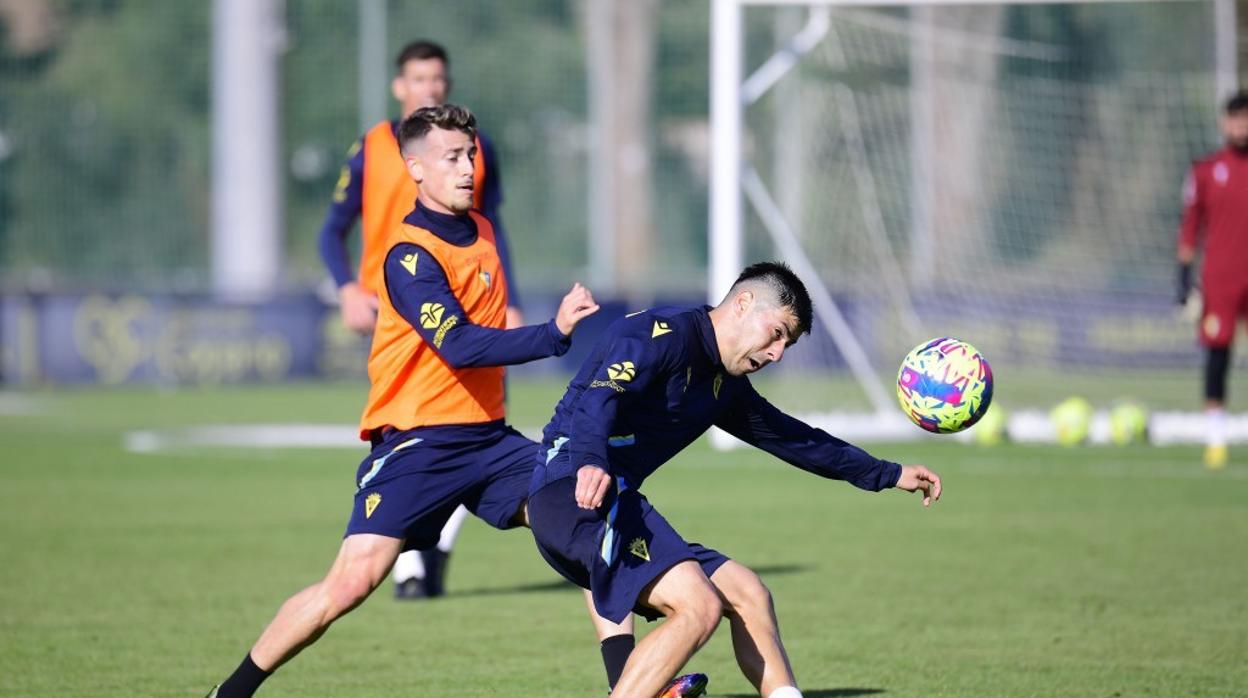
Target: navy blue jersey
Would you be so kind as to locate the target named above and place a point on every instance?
(655, 383)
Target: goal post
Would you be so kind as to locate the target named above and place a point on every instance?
(964, 167)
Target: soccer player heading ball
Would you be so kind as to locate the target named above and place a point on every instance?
(1215, 207)
(655, 382)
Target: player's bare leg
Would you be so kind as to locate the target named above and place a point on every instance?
(755, 630)
(362, 563)
(693, 610)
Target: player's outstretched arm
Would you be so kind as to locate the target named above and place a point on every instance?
(418, 289)
(757, 422)
(917, 478)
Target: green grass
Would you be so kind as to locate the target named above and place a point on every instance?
(1043, 572)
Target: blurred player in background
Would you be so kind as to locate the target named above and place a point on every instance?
(1215, 212)
(654, 383)
(375, 184)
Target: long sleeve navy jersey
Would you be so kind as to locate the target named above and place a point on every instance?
(655, 383)
(464, 344)
(347, 203)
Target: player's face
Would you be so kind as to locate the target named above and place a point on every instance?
(1235, 128)
(442, 164)
(423, 83)
(766, 331)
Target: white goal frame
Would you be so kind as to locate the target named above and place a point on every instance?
(733, 183)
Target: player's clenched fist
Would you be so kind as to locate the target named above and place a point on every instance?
(915, 478)
(359, 308)
(592, 484)
(576, 306)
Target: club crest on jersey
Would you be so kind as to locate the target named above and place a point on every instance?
(1221, 173)
(484, 276)
(638, 547)
(370, 504)
(431, 315)
(660, 328)
(715, 386)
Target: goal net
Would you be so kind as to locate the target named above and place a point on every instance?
(1009, 174)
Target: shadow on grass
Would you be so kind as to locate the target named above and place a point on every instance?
(561, 585)
(825, 693)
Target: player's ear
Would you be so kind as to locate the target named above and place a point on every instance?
(398, 88)
(415, 167)
(743, 302)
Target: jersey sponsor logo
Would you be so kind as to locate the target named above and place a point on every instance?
(431, 315)
(370, 504)
(638, 547)
(440, 335)
(622, 372)
(660, 328)
(607, 384)
(1221, 173)
(719, 382)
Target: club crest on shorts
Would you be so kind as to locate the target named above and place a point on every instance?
(370, 504)
(1212, 326)
(638, 548)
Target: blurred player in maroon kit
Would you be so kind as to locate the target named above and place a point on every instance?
(1215, 211)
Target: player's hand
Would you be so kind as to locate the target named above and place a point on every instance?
(515, 318)
(592, 484)
(915, 478)
(359, 308)
(576, 306)
(1184, 285)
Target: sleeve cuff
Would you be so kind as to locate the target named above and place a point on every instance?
(562, 341)
(891, 477)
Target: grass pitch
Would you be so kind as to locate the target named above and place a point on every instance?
(1043, 572)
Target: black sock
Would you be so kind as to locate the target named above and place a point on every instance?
(244, 681)
(615, 651)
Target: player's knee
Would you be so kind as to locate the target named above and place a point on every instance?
(345, 592)
(704, 609)
(753, 597)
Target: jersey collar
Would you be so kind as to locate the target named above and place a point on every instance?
(706, 333)
(460, 231)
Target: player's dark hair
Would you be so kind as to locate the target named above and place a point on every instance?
(448, 117)
(421, 50)
(789, 289)
(1237, 103)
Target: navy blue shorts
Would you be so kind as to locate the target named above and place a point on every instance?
(413, 480)
(615, 551)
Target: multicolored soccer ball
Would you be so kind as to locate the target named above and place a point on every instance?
(944, 385)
